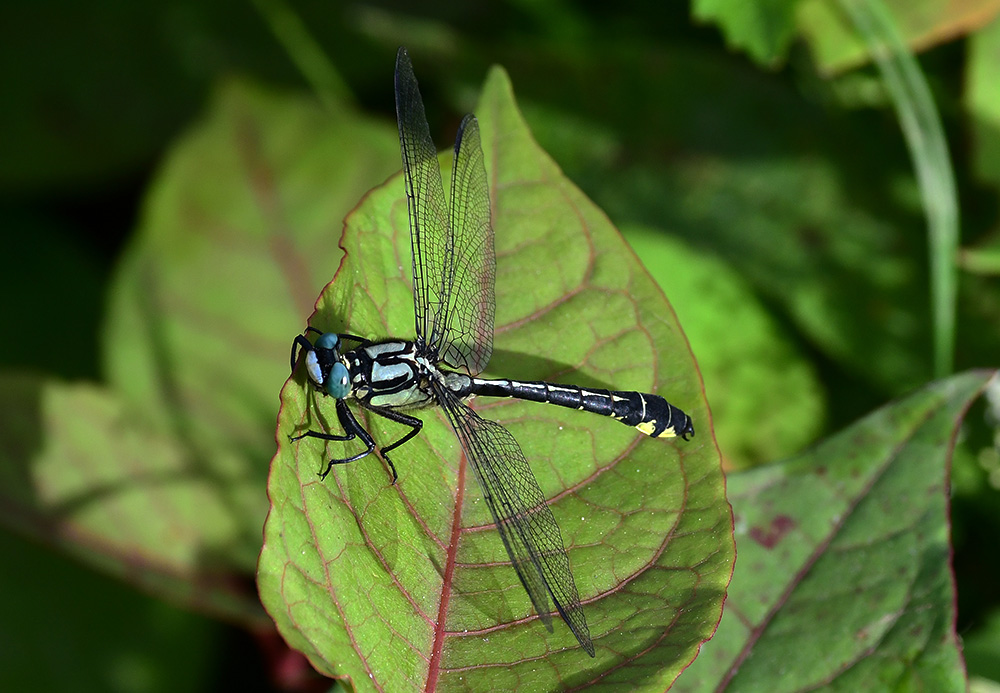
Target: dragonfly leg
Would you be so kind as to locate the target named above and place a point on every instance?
(352, 430)
(321, 436)
(300, 343)
(413, 422)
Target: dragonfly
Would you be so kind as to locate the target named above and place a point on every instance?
(454, 268)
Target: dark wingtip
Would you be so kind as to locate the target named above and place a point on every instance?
(403, 73)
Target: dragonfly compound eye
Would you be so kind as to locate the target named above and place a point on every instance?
(338, 383)
(327, 340)
(313, 368)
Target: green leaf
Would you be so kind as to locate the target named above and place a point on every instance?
(159, 477)
(923, 23)
(843, 579)
(233, 245)
(982, 99)
(844, 272)
(749, 364)
(762, 29)
(80, 471)
(395, 586)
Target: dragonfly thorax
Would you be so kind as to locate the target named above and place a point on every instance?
(396, 375)
(389, 375)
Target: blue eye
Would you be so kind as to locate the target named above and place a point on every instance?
(338, 383)
(327, 340)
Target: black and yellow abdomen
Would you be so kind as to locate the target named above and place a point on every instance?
(650, 414)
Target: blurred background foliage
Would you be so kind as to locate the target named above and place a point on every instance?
(752, 155)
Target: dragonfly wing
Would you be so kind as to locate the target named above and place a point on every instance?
(468, 339)
(430, 234)
(453, 258)
(524, 519)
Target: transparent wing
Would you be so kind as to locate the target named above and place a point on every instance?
(468, 337)
(527, 526)
(453, 257)
(429, 224)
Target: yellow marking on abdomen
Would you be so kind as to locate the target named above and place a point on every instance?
(647, 427)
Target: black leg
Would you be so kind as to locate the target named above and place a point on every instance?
(300, 342)
(322, 436)
(352, 430)
(413, 422)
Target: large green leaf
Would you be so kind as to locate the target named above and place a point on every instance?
(843, 579)
(233, 245)
(401, 586)
(159, 477)
(80, 470)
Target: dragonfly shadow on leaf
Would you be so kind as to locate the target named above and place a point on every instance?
(523, 366)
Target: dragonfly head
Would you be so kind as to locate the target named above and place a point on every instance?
(325, 368)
